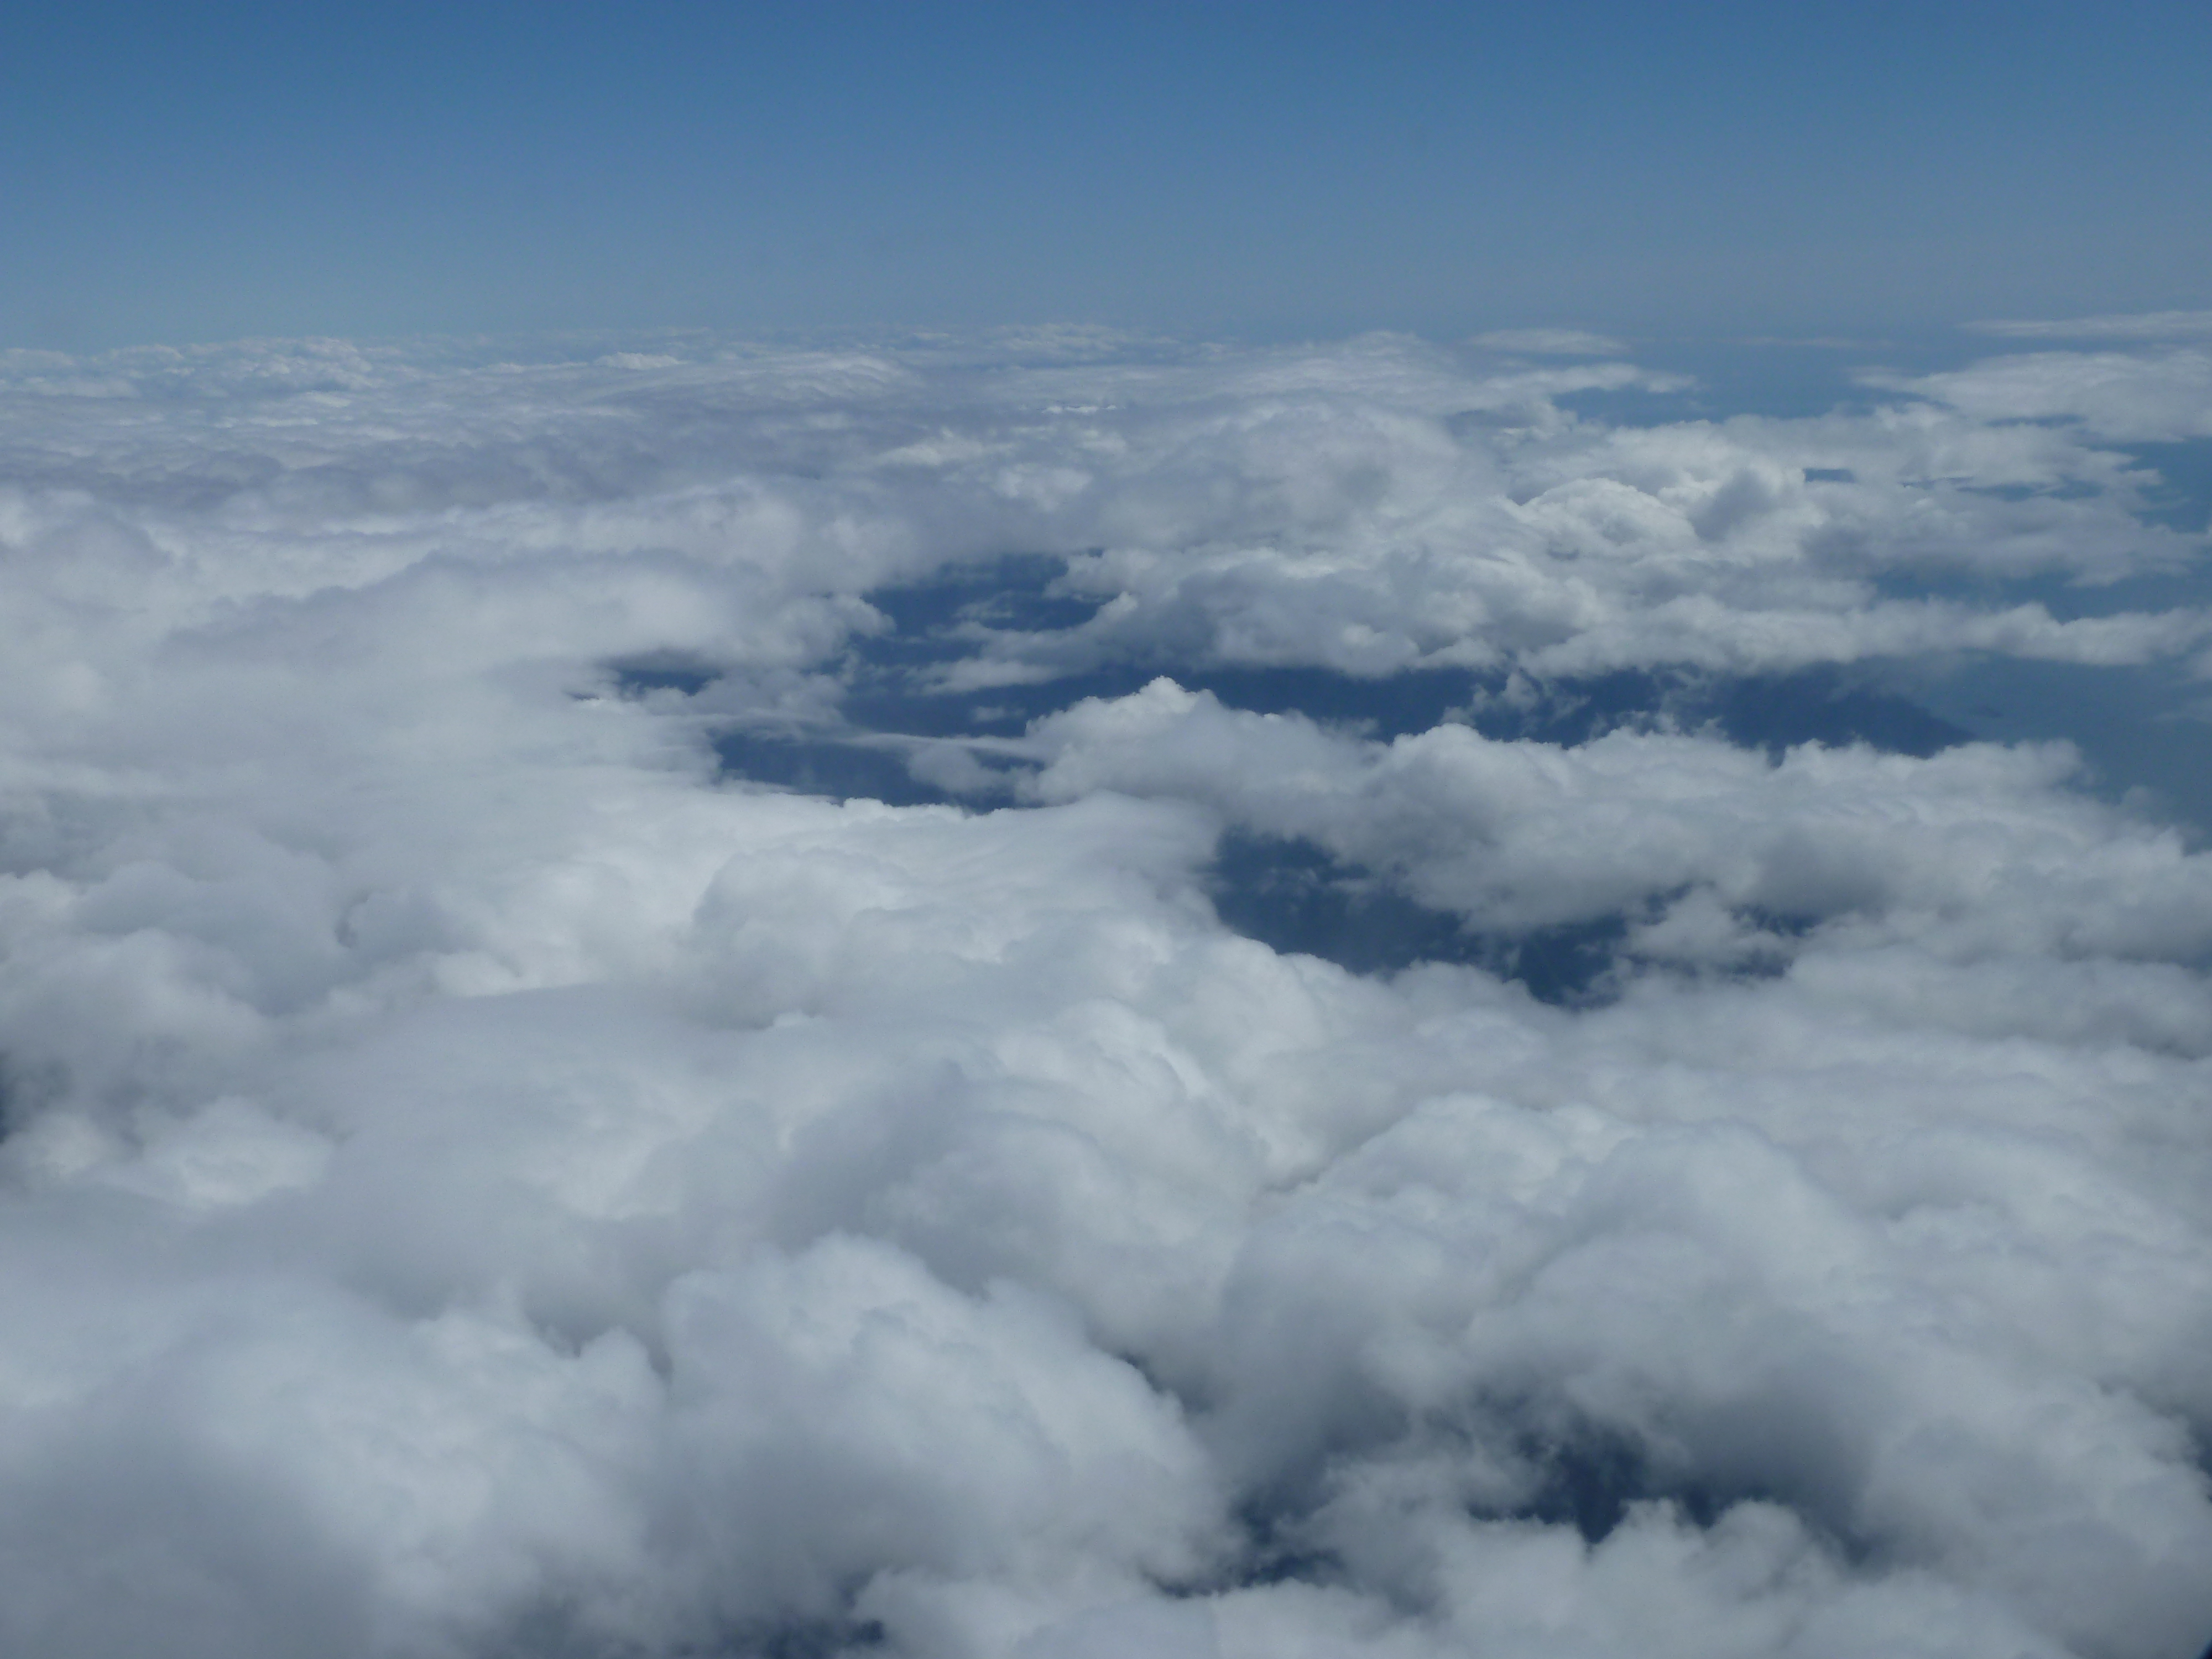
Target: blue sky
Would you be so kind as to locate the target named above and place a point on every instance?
(177, 172)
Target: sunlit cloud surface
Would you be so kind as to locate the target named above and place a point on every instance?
(1057, 994)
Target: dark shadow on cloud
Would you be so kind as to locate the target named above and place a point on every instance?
(25, 1091)
(642, 676)
(817, 1639)
(555, 1634)
(1589, 1481)
(1586, 1476)
(1297, 897)
(203, 482)
(1592, 1476)
(1821, 704)
(955, 614)
(1389, 707)
(1274, 1550)
(891, 703)
(813, 765)
(1014, 592)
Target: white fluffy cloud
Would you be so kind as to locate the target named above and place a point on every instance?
(2158, 397)
(480, 1179)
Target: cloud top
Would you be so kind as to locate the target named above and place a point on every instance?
(628, 1026)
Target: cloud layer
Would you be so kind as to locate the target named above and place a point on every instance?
(626, 1028)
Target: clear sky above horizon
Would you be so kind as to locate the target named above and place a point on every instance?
(174, 173)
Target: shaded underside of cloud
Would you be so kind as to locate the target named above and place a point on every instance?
(1053, 995)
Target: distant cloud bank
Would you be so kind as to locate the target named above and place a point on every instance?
(1552, 342)
(2141, 326)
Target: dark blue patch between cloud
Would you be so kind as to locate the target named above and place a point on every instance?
(639, 677)
(1290, 895)
(2182, 498)
(822, 766)
(1295, 896)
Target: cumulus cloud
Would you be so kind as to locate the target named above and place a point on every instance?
(2149, 396)
(628, 1025)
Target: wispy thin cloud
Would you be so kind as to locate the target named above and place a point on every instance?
(2128, 325)
(1551, 343)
